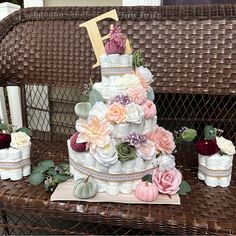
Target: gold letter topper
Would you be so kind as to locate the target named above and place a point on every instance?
(95, 36)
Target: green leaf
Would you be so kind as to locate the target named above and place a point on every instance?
(95, 96)
(60, 178)
(184, 188)
(83, 98)
(43, 166)
(209, 132)
(64, 166)
(50, 171)
(36, 178)
(189, 135)
(150, 94)
(46, 163)
(39, 169)
(147, 178)
(3, 126)
(25, 130)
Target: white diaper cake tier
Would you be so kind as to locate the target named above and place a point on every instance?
(117, 138)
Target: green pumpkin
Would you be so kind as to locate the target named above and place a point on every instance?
(85, 188)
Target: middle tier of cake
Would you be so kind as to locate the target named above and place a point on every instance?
(122, 130)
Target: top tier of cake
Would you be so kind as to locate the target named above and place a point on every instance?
(116, 60)
(117, 75)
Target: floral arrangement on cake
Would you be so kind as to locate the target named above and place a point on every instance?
(214, 143)
(215, 156)
(117, 134)
(15, 147)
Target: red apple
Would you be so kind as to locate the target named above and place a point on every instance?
(78, 147)
(5, 140)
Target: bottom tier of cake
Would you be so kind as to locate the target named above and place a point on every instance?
(122, 177)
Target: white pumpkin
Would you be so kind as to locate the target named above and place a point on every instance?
(85, 188)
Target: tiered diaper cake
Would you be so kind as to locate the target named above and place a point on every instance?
(117, 138)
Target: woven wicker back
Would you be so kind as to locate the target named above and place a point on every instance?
(190, 51)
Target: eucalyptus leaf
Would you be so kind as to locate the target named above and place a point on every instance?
(150, 94)
(25, 130)
(50, 171)
(189, 135)
(43, 166)
(60, 178)
(46, 163)
(209, 132)
(184, 188)
(147, 178)
(39, 169)
(95, 96)
(36, 178)
(3, 126)
(64, 166)
(83, 98)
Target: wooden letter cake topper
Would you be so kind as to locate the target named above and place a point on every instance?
(95, 36)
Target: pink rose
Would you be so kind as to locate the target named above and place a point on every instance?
(167, 181)
(163, 139)
(149, 109)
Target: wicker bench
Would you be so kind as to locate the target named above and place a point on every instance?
(191, 52)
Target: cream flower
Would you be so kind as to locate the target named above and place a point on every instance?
(98, 110)
(166, 162)
(128, 81)
(106, 155)
(146, 73)
(134, 113)
(95, 132)
(226, 146)
(20, 140)
(147, 151)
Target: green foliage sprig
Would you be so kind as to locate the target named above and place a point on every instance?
(51, 174)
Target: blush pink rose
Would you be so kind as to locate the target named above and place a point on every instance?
(149, 109)
(163, 139)
(167, 181)
(116, 113)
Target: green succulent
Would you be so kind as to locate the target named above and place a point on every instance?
(125, 152)
(137, 59)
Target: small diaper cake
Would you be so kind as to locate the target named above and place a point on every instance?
(117, 138)
(14, 152)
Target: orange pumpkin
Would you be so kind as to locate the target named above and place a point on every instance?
(146, 191)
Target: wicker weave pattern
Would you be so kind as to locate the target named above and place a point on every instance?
(190, 51)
